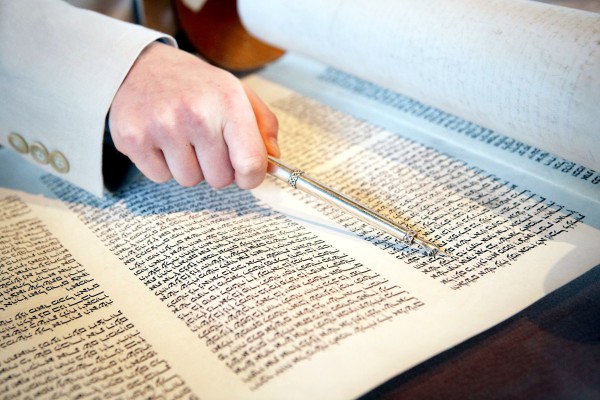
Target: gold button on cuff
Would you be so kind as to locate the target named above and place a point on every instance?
(18, 143)
(59, 162)
(39, 153)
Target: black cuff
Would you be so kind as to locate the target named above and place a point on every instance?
(115, 165)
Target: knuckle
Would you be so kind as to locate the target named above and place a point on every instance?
(156, 175)
(128, 141)
(250, 172)
(234, 96)
(159, 178)
(249, 166)
(165, 122)
(180, 114)
(189, 181)
(250, 183)
(188, 175)
(220, 182)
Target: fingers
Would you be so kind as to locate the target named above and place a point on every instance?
(183, 164)
(247, 151)
(178, 117)
(266, 120)
(152, 164)
(212, 153)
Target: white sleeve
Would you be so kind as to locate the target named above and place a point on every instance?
(60, 67)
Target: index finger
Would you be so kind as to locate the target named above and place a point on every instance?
(247, 150)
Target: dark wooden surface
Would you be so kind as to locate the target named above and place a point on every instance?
(550, 350)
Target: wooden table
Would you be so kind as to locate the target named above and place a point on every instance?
(551, 350)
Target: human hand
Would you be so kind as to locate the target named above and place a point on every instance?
(175, 116)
